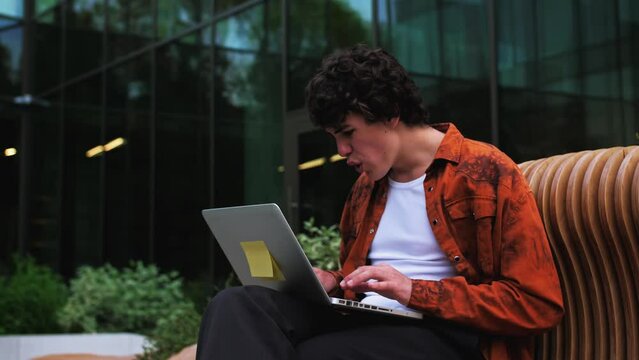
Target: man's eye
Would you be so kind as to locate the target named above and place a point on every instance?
(348, 133)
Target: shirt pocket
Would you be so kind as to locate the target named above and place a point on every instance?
(473, 220)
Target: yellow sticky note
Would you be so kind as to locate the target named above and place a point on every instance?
(260, 260)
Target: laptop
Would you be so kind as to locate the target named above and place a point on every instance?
(263, 251)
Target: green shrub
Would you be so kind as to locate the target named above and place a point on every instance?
(29, 298)
(321, 244)
(133, 299)
(173, 333)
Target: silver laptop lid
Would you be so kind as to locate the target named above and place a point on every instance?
(240, 229)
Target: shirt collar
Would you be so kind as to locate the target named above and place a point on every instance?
(450, 147)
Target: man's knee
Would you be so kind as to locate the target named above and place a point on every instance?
(239, 296)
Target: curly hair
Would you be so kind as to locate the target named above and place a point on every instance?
(364, 81)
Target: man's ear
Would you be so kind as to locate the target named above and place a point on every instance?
(393, 122)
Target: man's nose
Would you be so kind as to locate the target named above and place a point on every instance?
(343, 148)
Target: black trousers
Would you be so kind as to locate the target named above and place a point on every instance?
(257, 323)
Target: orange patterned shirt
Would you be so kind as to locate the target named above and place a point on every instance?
(485, 219)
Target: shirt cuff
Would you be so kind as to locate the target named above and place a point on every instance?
(425, 295)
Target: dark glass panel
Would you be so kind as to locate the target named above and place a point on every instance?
(464, 103)
(82, 228)
(129, 85)
(516, 48)
(317, 28)
(175, 16)
(44, 7)
(127, 162)
(10, 170)
(130, 26)
(323, 189)
(411, 31)
(10, 58)
(557, 44)
(47, 51)
(464, 40)
(223, 5)
(85, 25)
(45, 183)
(182, 155)
(541, 125)
(248, 126)
(248, 114)
(443, 44)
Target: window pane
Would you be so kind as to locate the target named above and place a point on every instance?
(130, 26)
(47, 53)
(44, 188)
(82, 236)
(46, 6)
(323, 189)
(182, 154)
(443, 44)
(248, 115)
(10, 57)
(127, 160)
(317, 28)
(175, 16)
(85, 26)
(11, 8)
(10, 168)
(573, 72)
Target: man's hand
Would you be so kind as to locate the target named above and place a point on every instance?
(387, 281)
(326, 279)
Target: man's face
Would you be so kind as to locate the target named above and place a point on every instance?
(369, 148)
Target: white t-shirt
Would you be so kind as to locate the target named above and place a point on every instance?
(405, 240)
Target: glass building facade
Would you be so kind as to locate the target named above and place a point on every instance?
(120, 120)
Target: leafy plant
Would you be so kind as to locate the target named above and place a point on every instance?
(321, 244)
(30, 297)
(173, 333)
(133, 299)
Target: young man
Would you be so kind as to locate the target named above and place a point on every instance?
(436, 223)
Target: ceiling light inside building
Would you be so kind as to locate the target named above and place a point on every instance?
(113, 144)
(10, 151)
(95, 151)
(117, 142)
(337, 157)
(311, 164)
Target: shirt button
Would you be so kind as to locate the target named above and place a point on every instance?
(430, 188)
(457, 258)
(435, 222)
(372, 230)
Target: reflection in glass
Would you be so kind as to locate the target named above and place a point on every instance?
(85, 24)
(130, 26)
(82, 228)
(47, 51)
(44, 187)
(12, 8)
(561, 73)
(247, 110)
(127, 162)
(317, 28)
(182, 154)
(444, 47)
(9, 168)
(323, 189)
(175, 16)
(42, 7)
(10, 57)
